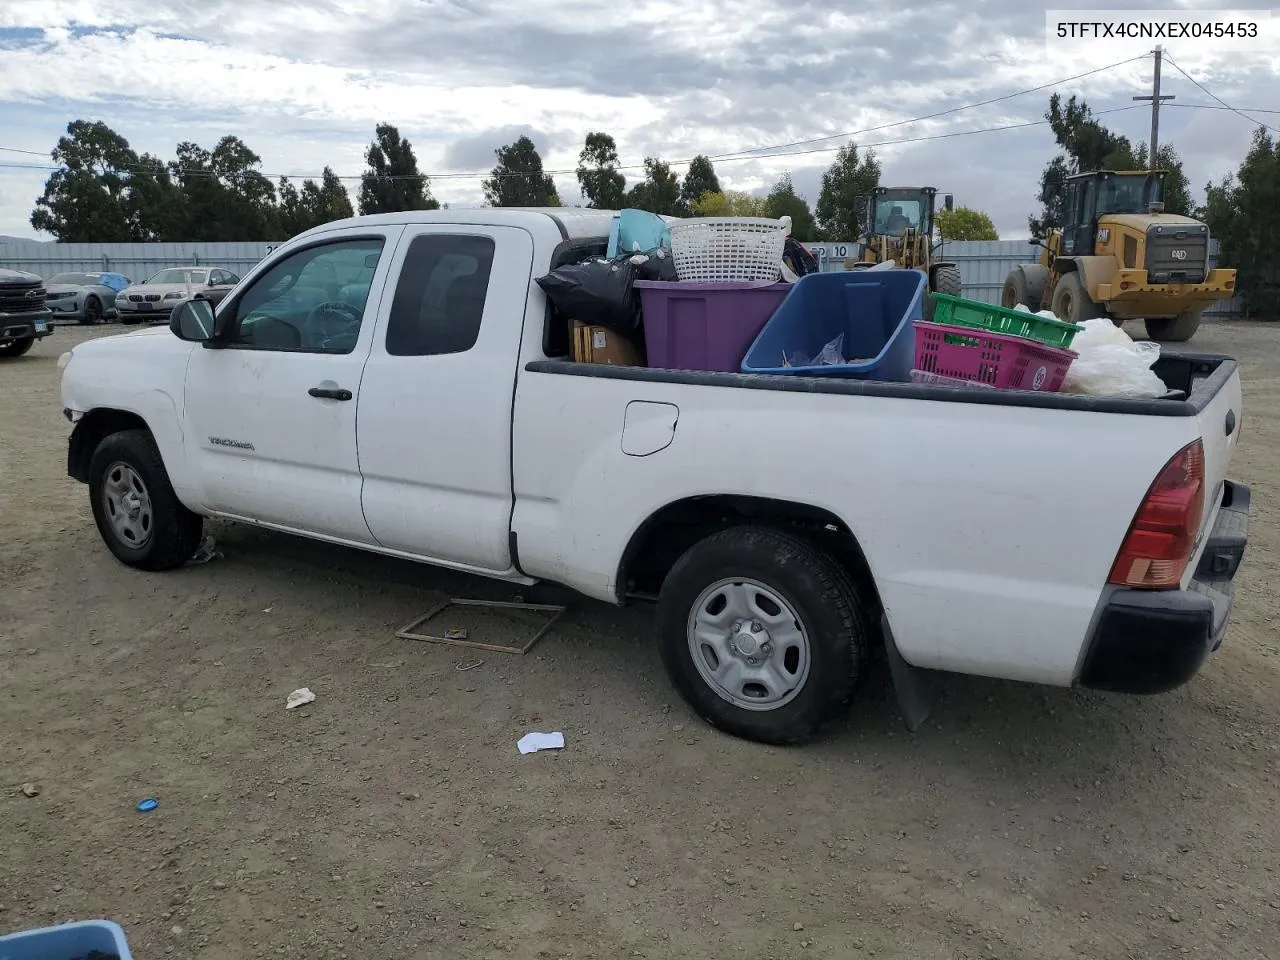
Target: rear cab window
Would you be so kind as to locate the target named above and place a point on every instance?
(440, 295)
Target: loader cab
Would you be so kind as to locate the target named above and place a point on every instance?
(1088, 197)
(891, 211)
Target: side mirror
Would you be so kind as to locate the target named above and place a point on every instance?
(948, 201)
(192, 320)
(1035, 243)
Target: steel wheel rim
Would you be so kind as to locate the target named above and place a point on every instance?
(749, 644)
(127, 504)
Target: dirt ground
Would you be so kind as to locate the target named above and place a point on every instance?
(395, 818)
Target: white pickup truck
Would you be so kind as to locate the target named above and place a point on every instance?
(399, 384)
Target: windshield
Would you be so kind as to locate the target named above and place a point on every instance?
(1127, 194)
(894, 214)
(79, 278)
(180, 275)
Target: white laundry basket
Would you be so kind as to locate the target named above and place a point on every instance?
(729, 249)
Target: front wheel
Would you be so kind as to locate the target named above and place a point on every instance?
(1071, 301)
(16, 348)
(763, 634)
(92, 311)
(138, 515)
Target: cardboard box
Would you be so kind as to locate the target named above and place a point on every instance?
(594, 344)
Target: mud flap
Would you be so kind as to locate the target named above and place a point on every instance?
(915, 696)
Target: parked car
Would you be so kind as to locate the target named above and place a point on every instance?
(24, 312)
(152, 301)
(87, 297)
(1050, 538)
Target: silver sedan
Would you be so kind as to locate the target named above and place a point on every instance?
(86, 297)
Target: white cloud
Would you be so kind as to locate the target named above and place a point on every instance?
(304, 83)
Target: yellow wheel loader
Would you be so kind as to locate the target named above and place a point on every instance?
(1119, 255)
(900, 227)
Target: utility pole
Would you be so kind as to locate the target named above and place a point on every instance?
(1155, 99)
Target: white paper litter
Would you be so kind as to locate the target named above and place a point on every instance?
(532, 742)
(299, 697)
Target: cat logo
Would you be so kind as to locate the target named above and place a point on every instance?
(1178, 254)
(1104, 234)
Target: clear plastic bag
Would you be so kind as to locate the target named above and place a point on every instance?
(831, 355)
(1111, 364)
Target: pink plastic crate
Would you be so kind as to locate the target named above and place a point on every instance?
(996, 359)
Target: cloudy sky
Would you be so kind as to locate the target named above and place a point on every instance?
(303, 82)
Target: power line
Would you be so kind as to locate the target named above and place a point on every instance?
(565, 172)
(1210, 106)
(1210, 93)
(940, 113)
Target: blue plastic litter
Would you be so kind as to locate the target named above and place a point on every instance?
(637, 230)
(70, 941)
(147, 805)
(865, 315)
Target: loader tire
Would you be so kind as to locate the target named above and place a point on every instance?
(1178, 329)
(1025, 285)
(1071, 301)
(945, 280)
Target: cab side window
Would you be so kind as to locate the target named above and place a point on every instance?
(440, 296)
(307, 302)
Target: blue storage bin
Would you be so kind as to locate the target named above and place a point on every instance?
(873, 309)
(70, 941)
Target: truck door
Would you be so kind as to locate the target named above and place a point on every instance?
(270, 415)
(433, 427)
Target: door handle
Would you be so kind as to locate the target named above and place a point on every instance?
(330, 394)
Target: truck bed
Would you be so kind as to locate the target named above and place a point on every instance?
(1193, 380)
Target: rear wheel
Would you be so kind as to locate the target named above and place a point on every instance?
(16, 348)
(1176, 330)
(138, 515)
(1071, 301)
(763, 634)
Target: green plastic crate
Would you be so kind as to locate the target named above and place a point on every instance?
(960, 312)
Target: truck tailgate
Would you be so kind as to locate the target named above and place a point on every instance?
(1219, 426)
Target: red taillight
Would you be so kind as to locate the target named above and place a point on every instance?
(1162, 537)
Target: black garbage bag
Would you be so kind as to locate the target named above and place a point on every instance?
(797, 256)
(658, 265)
(597, 292)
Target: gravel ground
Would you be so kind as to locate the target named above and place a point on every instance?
(393, 817)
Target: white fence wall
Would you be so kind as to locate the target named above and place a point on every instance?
(137, 261)
(983, 263)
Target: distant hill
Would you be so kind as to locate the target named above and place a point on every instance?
(5, 238)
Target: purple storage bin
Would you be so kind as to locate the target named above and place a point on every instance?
(704, 326)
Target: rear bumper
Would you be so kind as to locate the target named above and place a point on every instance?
(1151, 641)
(1129, 294)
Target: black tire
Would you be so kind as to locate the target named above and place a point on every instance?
(823, 600)
(1179, 329)
(1037, 278)
(16, 348)
(1014, 291)
(1071, 301)
(173, 533)
(92, 311)
(945, 280)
